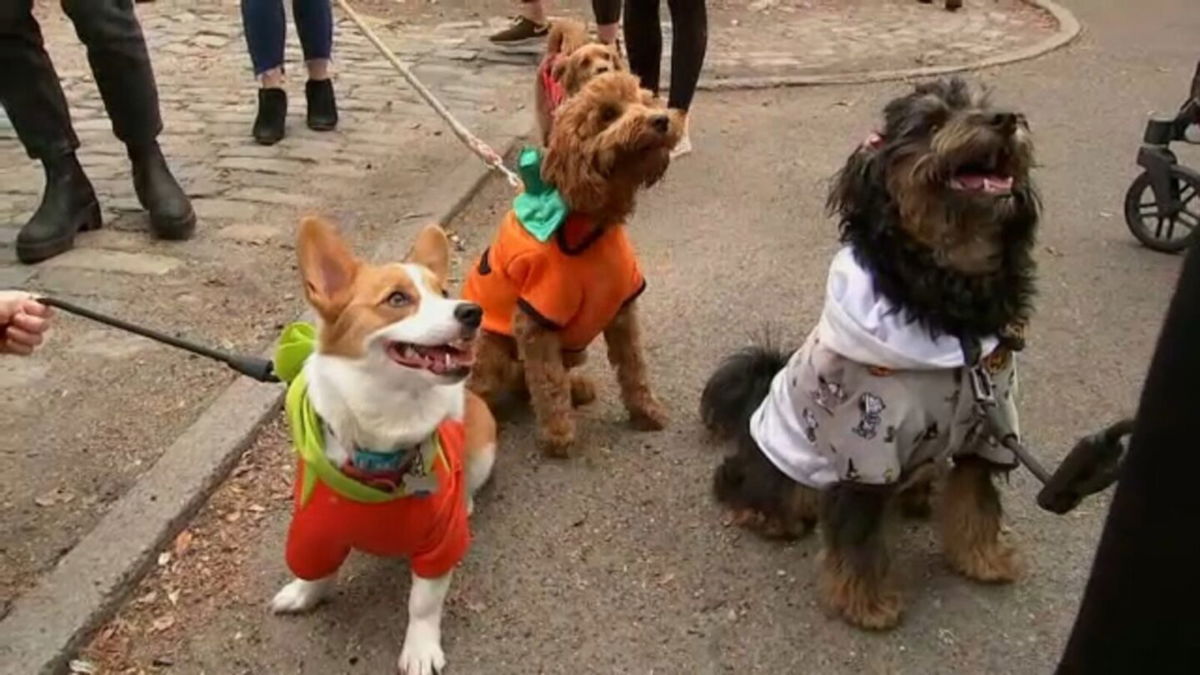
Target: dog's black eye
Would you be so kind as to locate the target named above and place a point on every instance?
(398, 299)
(445, 293)
(609, 113)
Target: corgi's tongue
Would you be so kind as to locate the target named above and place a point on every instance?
(987, 183)
(437, 359)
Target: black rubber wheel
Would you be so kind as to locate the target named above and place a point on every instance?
(1178, 227)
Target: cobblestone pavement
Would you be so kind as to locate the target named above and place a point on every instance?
(83, 420)
(770, 38)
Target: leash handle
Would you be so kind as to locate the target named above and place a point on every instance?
(259, 369)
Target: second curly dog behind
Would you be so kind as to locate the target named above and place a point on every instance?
(572, 59)
(549, 289)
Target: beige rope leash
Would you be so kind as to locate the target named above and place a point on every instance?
(483, 150)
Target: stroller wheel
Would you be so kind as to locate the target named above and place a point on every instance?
(1170, 227)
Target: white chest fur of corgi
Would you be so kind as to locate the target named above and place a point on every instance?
(392, 353)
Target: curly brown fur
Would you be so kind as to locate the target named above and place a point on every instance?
(609, 141)
(576, 60)
(540, 352)
(957, 260)
(624, 340)
(970, 521)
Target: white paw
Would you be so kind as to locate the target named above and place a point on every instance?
(300, 596)
(422, 652)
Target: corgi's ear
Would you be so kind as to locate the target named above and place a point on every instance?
(432, 250)
(327, 267)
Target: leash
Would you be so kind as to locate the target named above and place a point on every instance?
(473, 143)
(1092, 465)
(251, 366)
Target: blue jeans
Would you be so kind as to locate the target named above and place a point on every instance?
(266, 30)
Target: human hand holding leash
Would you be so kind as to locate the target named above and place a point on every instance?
(23, 322)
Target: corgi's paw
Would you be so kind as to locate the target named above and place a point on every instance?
(422, 652)
(301, 596)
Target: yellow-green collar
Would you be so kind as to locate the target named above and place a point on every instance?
(308, 436)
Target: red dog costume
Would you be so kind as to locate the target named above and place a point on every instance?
(417, 511)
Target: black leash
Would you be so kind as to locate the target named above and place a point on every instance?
(251, 366)
(1092, 465)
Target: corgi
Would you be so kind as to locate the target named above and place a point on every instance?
(391, 446)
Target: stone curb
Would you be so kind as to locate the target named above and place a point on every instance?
(50, 622)
(1068, 29)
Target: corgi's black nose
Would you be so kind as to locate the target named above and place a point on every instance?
(469, 314)
(660, 123)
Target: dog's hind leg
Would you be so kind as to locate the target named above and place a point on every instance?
(970, 517)
(854, 572)
(301, 595)
(480, 446)
(624, 340)
(549, 385)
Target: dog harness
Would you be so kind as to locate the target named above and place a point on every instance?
(552, 89)
(565, 274)
(872, 395)
(418, 510)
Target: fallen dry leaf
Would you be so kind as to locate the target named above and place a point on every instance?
(164, 558)
(162, 623)
(183, 542)
(83, 667)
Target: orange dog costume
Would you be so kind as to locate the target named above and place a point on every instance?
(575, 282)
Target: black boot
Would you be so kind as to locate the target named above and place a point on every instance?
(322, 105)
(272, 116)
(68, 206)
(171, 214)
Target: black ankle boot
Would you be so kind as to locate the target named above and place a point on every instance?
(171, 214)
(322, 105)
(272, 116)
(68, 206)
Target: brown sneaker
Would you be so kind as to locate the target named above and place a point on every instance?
(522, 32)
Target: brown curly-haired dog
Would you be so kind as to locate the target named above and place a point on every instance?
(572, 59)
(546, 301)
(937, 214)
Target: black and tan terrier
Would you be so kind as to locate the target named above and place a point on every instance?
(937, 213)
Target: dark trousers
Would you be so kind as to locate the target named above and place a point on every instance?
(643, 42)
(1139, 609)
(266, 30)
(29, 87)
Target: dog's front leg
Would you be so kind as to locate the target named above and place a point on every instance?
(624, 340)
(970, 522)
(422, 652)
(549, 387)
(854, 573)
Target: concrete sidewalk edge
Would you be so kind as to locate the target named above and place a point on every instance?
(50, 622)
(1068, 29)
